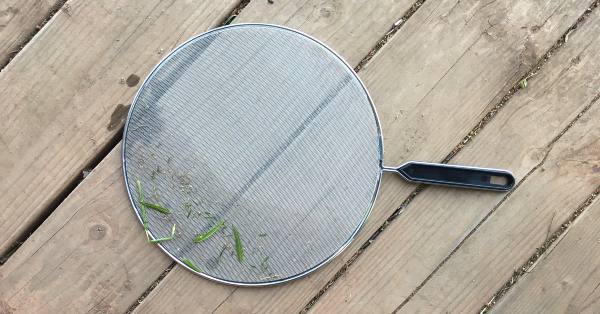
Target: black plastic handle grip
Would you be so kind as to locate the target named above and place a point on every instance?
(457, 176)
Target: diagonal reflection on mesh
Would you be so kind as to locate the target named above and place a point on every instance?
(265, 128)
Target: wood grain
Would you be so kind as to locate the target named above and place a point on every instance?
(61, 109)
(567, 176)
(107, 288)
(91, 259)
(55, 100)
(19, 19)
(566, 279)
(519, 137)
(436, 64)
(66, 96)
(294, 296)
(352, 28)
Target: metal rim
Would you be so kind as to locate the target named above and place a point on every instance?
(360, 225)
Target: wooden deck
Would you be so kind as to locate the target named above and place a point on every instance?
(511, 84)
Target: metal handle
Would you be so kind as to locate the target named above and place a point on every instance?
(457, 176)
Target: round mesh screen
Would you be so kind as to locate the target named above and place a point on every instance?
(266, 129)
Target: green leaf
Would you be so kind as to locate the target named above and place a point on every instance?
(191, 264)
(214, 229)
(239, 248)
(156, 207)
(523, 83)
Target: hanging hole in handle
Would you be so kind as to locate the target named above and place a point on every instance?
(498, 180)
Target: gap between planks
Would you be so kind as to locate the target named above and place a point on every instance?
(152, 286)
(466, 140)
(564, 228)
(393, 30)
(561, 41)
(72, 185)
(244, 296)
(574, 266)
(545, 249)
(362, 63)
(61, 4)
(104, 151)
(12, 54)
(539, 251)
(78, 146)
(69, 188)
(476, 272)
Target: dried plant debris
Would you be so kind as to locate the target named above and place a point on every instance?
(264, 264)
(183, 181)
(220, 257)
(188, 208)
(155, 172)
(270, 277)
(208, 215)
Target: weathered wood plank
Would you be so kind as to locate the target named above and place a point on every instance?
(182, 282)
(541, 204)
(83, 102)
(566, 279)
(23, 272)
(518, 138)
(18, 20)
(352, 28)
(63, 101)
(92, 258)
(73, 88)
(434, 65)
(546, 199)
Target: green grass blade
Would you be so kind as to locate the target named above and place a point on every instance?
(239, 248)
(523, 83)
(156, 207)
(160, 240)
(171, 237)
(143, 211)
(191, 264)
(214, 229)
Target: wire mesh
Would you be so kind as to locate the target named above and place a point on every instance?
(262, 127)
